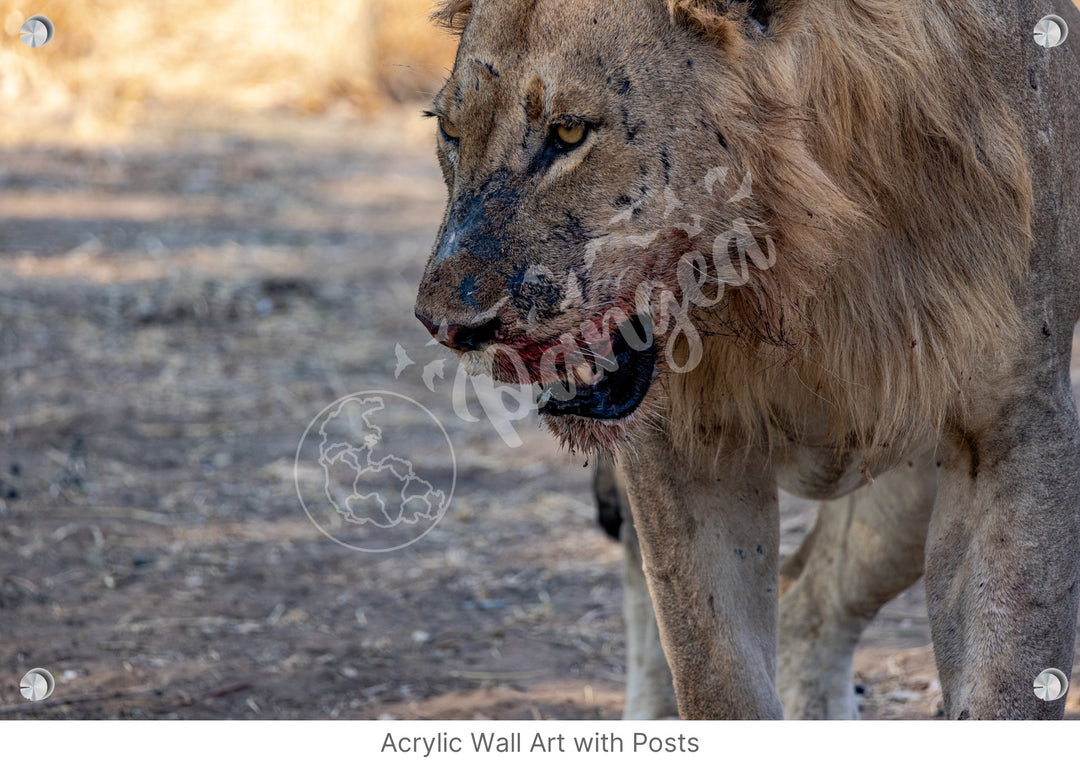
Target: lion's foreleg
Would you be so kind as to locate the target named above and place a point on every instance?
(1003, 556)
(864, 550)
(710, 557)
(649, 693)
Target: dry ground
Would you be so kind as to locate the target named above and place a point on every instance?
(173, 312)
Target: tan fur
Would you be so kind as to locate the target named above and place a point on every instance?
(887, 266)
(864, 549)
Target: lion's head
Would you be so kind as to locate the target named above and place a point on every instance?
(635, 183)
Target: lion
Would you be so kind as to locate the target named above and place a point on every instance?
(827, 247)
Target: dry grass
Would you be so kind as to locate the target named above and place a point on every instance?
(114, 63)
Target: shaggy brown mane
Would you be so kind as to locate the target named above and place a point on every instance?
(894, 182)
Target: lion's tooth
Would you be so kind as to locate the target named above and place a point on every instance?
(584, 374)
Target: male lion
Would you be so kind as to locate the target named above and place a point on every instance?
(814, 245)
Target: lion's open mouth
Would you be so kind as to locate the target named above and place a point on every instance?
(605, 389)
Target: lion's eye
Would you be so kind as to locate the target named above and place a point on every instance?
(570, 136)
(449, 129)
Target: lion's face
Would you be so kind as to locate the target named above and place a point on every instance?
(564, 133)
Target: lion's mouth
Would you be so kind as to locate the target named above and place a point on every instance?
(607, 388)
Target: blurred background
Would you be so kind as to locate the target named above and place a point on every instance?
(116, 63)
(213, 218)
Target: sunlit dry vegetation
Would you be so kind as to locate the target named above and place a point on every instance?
(114, 63)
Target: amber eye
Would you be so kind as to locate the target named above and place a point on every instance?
(449, 128)
(569, 136)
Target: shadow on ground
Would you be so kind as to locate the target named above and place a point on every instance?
(173, 313)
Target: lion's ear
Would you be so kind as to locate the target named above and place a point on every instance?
(723, 21)
(452, 14)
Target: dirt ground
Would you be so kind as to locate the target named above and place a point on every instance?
(174, 311)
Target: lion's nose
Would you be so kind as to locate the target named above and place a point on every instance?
(461, 337)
